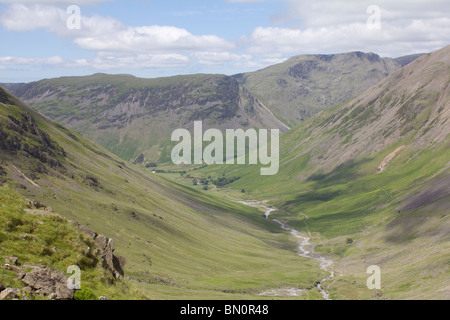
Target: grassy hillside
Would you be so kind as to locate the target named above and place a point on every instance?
(49, 241)
(370, 180)
(179, 242)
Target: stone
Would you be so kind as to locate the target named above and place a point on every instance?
(105, 248)
(20, 273)
(12, 260)
(25, 297)
(49, 282)
(9, 294)
(92, 234)
(119, 265)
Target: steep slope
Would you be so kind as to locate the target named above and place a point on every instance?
(178, 242)
(304, 85)
(134, 118)
(371, 180)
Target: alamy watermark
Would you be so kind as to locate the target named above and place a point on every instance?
(190, 149)
(374, 281)
(74, 281)
(374, 20)
(73, 22)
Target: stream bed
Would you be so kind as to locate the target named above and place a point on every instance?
(305, 249)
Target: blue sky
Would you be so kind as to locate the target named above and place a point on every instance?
(150, 38)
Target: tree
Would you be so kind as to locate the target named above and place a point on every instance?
(243, 190)
(195, 182)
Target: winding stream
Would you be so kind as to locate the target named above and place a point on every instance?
(305, 249)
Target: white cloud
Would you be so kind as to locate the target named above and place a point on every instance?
(319, 26)
(102, 61)
(339, 26)
(4, 61)
(107, 34)
(153, 39)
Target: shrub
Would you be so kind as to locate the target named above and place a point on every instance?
(85, 294)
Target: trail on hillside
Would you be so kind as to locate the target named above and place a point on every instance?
(305, 249)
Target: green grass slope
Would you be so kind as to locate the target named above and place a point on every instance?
(53, 242)
(370, 180)
(179, 242)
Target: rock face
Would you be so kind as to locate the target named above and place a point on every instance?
(110, 261)
(9, 294)
(49, 282)
(105, 247)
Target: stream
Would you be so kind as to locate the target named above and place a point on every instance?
(305, 249)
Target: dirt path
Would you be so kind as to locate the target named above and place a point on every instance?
(305, 249)
(388, 159)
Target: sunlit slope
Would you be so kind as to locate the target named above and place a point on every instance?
(178, 242)
(374, 170)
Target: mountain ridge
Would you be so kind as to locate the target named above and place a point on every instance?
(119, 111)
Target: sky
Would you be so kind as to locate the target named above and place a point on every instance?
(154, 38)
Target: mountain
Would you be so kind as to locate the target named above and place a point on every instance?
(370, 181)
(304, 85)
(134, 118)
(405, 60)
(178, 242)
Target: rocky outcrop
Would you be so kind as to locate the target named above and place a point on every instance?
(41, 281)
(10, 294)
(105, 248)
(111, 262)
(48, 282)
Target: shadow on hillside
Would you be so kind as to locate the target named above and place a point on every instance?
(343, 173)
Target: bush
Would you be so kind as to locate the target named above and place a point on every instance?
(85, 294)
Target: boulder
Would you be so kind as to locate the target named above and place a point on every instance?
(49, 282)
(105, 248)
(9, 294)
(12, 260)
(110, 261)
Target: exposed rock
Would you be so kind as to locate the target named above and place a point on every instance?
(133, 215)
(119, 264)
(110, 261)
(9, 294)
(20, 273)
(36, 204)
(25, 297)
(12, 260)
(105, 247)
(92, 234)
(49, 282)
